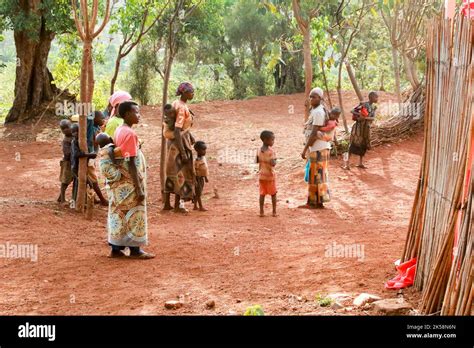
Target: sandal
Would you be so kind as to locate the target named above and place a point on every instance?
(142, 255)
(117, 254)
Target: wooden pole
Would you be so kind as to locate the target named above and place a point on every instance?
(85, 25)
(440, 232)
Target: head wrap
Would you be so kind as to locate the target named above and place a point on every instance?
(317, 91)
(184, 87)
(117, 98)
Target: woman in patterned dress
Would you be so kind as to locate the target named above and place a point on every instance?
(126, 189)
(318, 179)
(180, 176)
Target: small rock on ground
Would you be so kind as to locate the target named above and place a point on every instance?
(392, 306)
(173, 304)
(364, 298)
(210, 304)
(342, 298)
(336, 305)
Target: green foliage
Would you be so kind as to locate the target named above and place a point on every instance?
(323, 301)
(100, 99)
(133, 15)
(56, 15)
(229, 49)
(2, 65)
(7, 79)
(371, 56)
(140, 75)
(255, 310)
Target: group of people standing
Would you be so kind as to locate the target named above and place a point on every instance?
(320, 131)
(123, 166)
(110, 135)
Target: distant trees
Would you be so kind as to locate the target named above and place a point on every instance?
(133, 21)
(253, 47)
(405, 23)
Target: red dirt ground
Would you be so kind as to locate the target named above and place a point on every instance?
(228, 254)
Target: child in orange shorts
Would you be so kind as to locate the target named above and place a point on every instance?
(266, 160)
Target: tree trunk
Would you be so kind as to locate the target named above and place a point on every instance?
(396, 71)
(353, 79)
(382, 85)
(116, 71)
(308, 69)
(339, 94)
(86, 94)
(32, 79)
(410, 71)
(164, 148)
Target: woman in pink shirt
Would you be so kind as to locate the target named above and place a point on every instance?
(126, 187)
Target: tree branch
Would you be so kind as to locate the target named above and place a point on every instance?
(105, 21)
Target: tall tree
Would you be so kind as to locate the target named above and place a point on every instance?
(304, 14)
(35, 24)
(134, 20)
(346, 24)
(86, 22)
(251, 32)
(286, 57)
(405, 21)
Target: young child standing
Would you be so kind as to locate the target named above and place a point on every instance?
(202, 172)
(266, 160)
(65, 176)
(76, 153)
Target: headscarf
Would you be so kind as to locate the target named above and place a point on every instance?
(117, 98)
(317, 91)
(184, 87)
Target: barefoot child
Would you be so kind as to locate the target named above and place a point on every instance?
(266, 160)
(65, 177)
(202, 172)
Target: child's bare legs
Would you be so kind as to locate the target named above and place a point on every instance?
(274, 204)
(198, 201)
(195, 199)
(262, 202)
(348, 164)
(62, 195)
(361, 164)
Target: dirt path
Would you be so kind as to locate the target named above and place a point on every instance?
(227, 254)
